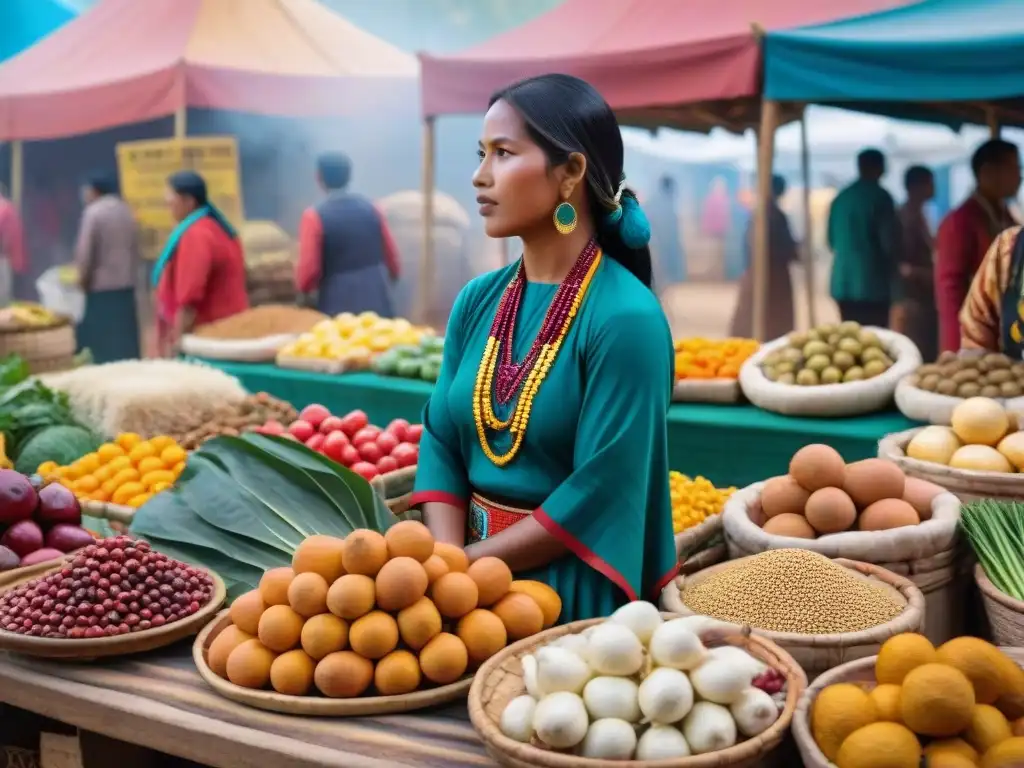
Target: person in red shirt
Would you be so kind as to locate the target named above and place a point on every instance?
(966, 233)
(12, 246)
(200, 276)
(346, 252)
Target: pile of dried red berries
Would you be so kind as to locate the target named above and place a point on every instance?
(113, 587)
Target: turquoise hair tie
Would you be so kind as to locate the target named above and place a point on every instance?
(634, 228)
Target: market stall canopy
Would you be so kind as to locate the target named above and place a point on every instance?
(26, 21)
(657, 62)
(126, 61)
(909, 61)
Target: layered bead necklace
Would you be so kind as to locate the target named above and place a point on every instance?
(499, 372)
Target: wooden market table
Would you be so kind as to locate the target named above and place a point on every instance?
(158, 700)
(728, 444)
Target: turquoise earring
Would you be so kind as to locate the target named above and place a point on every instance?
(565, 218)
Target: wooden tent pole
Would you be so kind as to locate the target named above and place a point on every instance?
(808, 242)
(425, 289)
(992, 118)
(17, 173)
(765, 160)
(181, 122)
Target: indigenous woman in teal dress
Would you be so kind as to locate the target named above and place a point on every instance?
(545, 439)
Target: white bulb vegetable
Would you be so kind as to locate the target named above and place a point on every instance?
(640, 616)
(560, 720)
(665, 696)
(674, 645)
(575, 643)
(613, 649)
(559, 669)
(609, 739)
(754, 711)
(709, 728)
(529, 663)
(738, 657)
(517, 718)
(616, 697)
(661, 742)
(719, 681)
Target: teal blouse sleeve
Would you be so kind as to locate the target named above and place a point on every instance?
(441, 472)
(614, 510)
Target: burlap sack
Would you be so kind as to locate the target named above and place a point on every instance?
(931, 555)
(933, 408)
(850, 399)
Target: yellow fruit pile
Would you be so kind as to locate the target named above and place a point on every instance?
(698, 358)
(959, 705)
(127, 471)
(694, 501)
(396, 612)
(354, 339)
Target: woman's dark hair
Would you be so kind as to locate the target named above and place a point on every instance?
(189, 184)
(564, 114)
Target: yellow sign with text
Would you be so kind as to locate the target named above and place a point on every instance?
(143, 168)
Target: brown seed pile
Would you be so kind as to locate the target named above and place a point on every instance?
(267, 320)
(793, 590)
(254, 411)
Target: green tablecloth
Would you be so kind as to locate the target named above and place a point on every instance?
(728, 444)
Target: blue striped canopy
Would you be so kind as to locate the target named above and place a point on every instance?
(24, 22)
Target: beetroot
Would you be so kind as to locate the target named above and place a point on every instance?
(23, 538)
(18, 499)
(68, 538)
(58, 504)
(44, 555)
(8, 560)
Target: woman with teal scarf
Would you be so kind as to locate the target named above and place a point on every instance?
(200, 275)
(545, 439)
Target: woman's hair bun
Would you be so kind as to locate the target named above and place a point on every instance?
(631, 222)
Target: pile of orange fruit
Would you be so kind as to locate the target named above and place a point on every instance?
(698, 358)
(126, 471)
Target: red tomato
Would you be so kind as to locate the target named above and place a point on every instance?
(365, 469)
(316, 442)
(350, 455)
(273, 427)
(330, 424)
(371, 452)
(314, 414)
(303, 430)
(406, 454)
(387, 442)
(353, 422)
(366, 435)
(413, 433)
(387, 464)
(334, 444)
(397, 428)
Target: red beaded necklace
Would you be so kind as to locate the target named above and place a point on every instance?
(510, 375)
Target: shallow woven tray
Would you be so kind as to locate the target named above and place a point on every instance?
(316, 706)
(721, 391)
(499, 680)
(122, 645)
(859, 671)
(967, 484)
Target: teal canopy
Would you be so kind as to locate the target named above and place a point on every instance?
(928, 51)
(26, 21)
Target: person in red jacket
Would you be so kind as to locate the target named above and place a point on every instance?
(966, 233)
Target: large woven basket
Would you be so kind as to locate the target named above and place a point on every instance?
(967, 484)
(701, 546)
(1005, 614)
(500, 679)
(817, 653)
(859, 671)
(44, 350)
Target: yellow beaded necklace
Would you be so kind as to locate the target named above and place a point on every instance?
(483, 406)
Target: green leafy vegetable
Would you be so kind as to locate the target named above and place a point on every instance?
(13, 370)
(995, 530)
(244, 504)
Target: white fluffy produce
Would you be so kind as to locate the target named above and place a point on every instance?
(559, 669)
(560, 720)
(719, 681)
(609, 739)
(709, 728)
(641, 617)
(616, 697)
(575, 643)
(517, 718)
(674, 645)
(529, 663)
(698, 623)
(754, 711)
(613, 649)
(661, 742)
(665, 696)
(739, 657)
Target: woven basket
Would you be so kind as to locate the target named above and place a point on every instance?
(499, 680)
(44, 350)
(817, 653)
(701, 546)
(859, 671)
(1005, 614)
(396, 488)
(967, 484)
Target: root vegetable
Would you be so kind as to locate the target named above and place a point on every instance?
(517, 719)
(617, 697)
(709, 728)
(665, 696)
(641, 617)
(613, 649)
(754, 711)
(609, 739)
(662, 742)
(674, 645)
(719, 681)
(560, 720)
(560, 670)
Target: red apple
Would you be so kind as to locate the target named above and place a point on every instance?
(387, 442)
(369, 471)
(316, 442)
(301, 429)
(350, 455)
(371, 452)
(353, 422)
(366, 435)
(413, 433)
(330, 424)
(406, 454)
(397, 428)
(314, 414)
(387, 464)
(334, 444)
